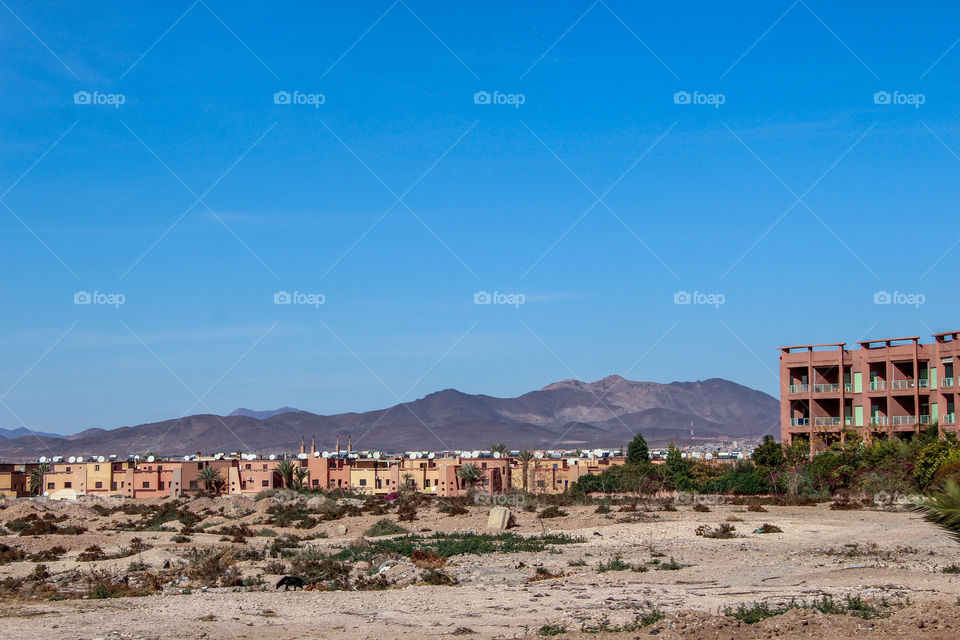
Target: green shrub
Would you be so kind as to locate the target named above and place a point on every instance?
(384, 527)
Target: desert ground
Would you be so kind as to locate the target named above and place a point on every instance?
(638, 572)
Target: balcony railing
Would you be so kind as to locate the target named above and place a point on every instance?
(879, 420)
(799, 388)
(799, 422)
(924, 419)
(947, 382)
(950, 418)
(878, 385)
(901, 420)
(848, 387)
(923, 383)
(826, 388)
(902, 384)
(828, 421)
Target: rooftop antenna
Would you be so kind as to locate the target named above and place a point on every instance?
(349, 443)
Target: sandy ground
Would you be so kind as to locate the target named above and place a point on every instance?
(897, 556)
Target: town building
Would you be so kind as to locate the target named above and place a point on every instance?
(890, 387)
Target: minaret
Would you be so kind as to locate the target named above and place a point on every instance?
(349, 444)
(303, 447)
(338, 443)
(313, 445)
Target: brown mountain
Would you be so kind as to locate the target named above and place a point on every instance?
(564, 414)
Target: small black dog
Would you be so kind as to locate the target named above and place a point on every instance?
(290, 581)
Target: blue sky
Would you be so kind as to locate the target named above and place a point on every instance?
(598, 199)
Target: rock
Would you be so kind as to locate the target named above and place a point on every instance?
(363, 566)
(500, 519)
(316, 503)
(341, 529)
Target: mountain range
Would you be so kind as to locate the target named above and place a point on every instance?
(566, 414)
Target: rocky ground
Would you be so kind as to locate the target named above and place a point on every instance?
(632, 574)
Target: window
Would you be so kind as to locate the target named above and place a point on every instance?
(160, 468)
(316, 482)
(67, 485)
(426, 482)
(96, 467)
(113, 487)
(146, 485)
(51, 486)
(363, 482)
(249, 466)
(193, 484)
(98, 485)
(161, 486)
(68, 469)
(265, 483)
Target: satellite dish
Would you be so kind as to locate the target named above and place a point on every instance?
(186, 458)
(376, 455)
(150, 458)
(72, 459)
(57, 458)
(316, 454)
(301, 456)
(273, 456)
(113, 456)
(218, 456)
(101, 459)
(496, 454)
(79, 458)
(431, 456)
(325, 454)
(136, 457)
(538, 455)
(43, 459)
(475, 454)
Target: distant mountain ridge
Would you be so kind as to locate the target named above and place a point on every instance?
(10, 434)
(565, 414)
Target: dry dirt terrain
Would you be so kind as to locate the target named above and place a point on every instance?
(890, 560)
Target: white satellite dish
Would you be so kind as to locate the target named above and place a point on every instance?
(136, 457)
(496, 454)
(376, 455)
(316, 454)
(57, 458)
(150, 458)
(273, 456)
(43, 459)
(301, 456)
(186, 458)
(431, 456)
(79, 458)
(475, 454)
(218, 456)
(72, 459)
(538, 455)
(101, 459)
(325, 454)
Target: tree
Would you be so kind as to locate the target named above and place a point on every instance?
(943, 509)
(525, 457)
(678, 468)
(769, 455)
(285, 469)
(638, 452)
(36, 478)
(301, 475)
(469, 474)
(500, 448)
(211, 479)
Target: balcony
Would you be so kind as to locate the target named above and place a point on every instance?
(903, 420)
(878, 385)
(947, 382)
(799, 388)
(826, 388)
(828, 421)
(949, 418)
(799, 422)
(924, 419)
(848, 387)
(923, 383)
(879, 420)
(899, 385)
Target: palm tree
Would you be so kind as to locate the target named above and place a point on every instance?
(36, 478)
(285, 469)
(212, 480)
(408, 480)
(943, 509)
(500, 448)
(300, 481)
(469, 474)
(525, 457)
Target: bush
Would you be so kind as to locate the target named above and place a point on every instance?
(614, 564)
(384, 527)
(92, 553)
(769, 528)
(723, 532)
(276, 567)
(552, 511)
(701, 508)
(438, 577)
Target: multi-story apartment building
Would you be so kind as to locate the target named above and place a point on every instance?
(15, 480)
(893, 386)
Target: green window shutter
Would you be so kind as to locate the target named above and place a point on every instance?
(933, 378)
(858, 414)
(858, 383)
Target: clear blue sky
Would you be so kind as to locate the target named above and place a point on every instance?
(198, 198)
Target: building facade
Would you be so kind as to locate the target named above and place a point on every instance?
(892, 386)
